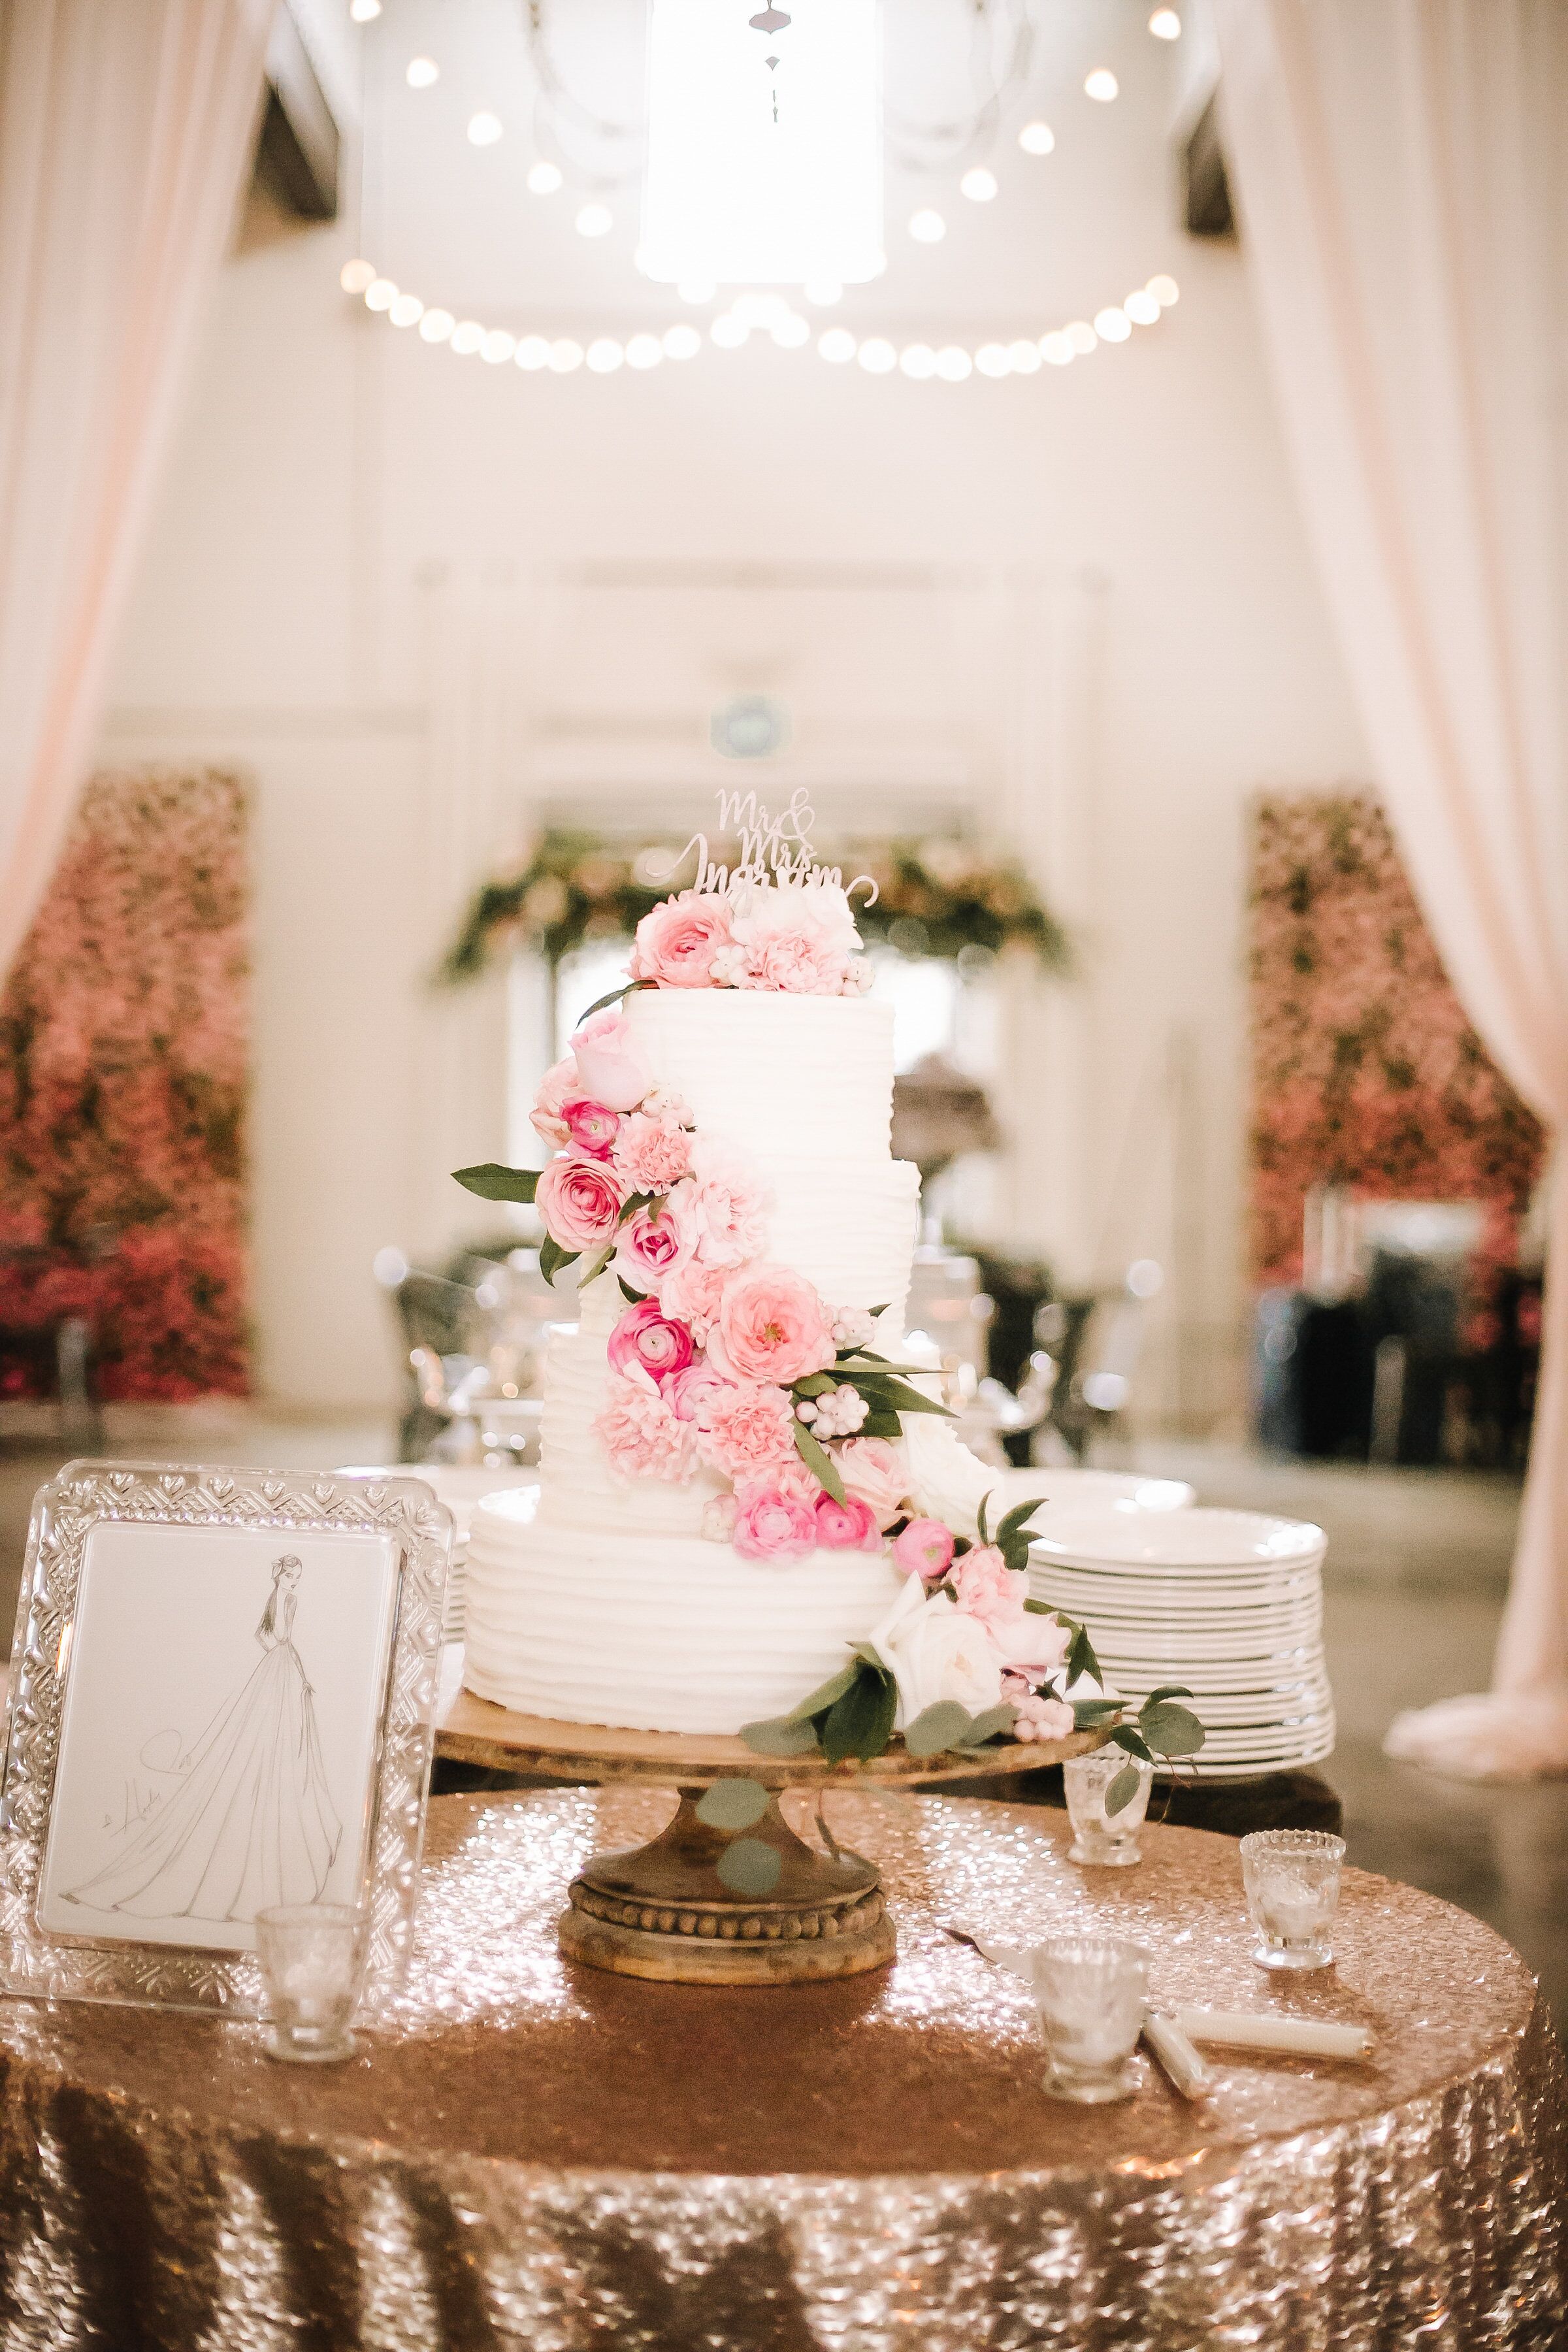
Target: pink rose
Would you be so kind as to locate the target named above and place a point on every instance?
(798, 937)
(642, 1436)
(1036, 1643)
(1043, 1718)
(647, 1337)
(988, 1589)
(557, 1089)
(653, 1241)
(924, 1549)
(847, 1527)
(591, 1127)
(733, 1204)
(773, 1526)
(580, 1201)
(746, 1431)
(694, 1293)
(772, 1327)
(608, 1065)
(877, 1472)
(676, 942)
(652, 1154)
(799, 962)
(687, 1392)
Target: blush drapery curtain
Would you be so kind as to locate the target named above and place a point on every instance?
(126, 127)
(1402, 172)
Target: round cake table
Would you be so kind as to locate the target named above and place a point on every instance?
(532, 2154)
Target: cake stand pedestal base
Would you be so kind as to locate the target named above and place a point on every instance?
(662, 1910)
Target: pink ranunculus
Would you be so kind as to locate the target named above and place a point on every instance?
(592, 1128)
(791, 1479)
(1043, 1718)
(642, 1436)
(695, 1293)
(654, 1240)
(645, 1336)
(878, 1471)
(847, 1527)
(1035, 1643)
(924, 1549)
(733, 1204)
(746, 1431)
(558, 1087)
(580, 1201)
(652, 1154)
(772, 1526)
(988, 1589)
(676, 942)
(688, 1392)
(608, 1065)
(772, 1327)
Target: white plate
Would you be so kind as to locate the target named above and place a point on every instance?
(1068, 1490)
(1196, 1539)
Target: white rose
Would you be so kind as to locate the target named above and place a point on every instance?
(936, 1652)
(948, 1482)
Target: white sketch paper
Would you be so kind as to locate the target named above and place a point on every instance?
(218, 1740)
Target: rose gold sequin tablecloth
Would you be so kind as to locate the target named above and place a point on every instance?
(549, 2159)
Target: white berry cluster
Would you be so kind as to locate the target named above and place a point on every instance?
(853, 1327)
(839, 1414)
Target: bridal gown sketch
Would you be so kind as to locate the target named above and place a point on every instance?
(252, 1822)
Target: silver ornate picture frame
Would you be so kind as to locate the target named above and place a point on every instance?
(221, 1695)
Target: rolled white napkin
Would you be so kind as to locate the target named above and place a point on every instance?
(1176, 2055)
(1304, 2037)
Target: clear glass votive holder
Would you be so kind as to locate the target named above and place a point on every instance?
(1292, 1882)
(312, 1957)
(1092, 1993)
(1108, 1840)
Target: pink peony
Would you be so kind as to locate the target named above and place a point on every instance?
(676, 942)
(772, 1327)
(799, 962)
(580, 1201)
(652, 1154)
(791, 1479)
(847, 1527)
(877, 1472)
(733, 1204)
(924, 1549)
(642, 1436)
(772, 1526)
(557, 1089)
(988, 1589)
(688, 1392)
(609, 1067)
(746, 1431)
(798, 937)
(591, 1127)
(654, 1240)
(695, 1294)
(1043, 1718)
(647, 1337)
(1035, 1643)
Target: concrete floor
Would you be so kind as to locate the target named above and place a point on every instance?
(1417, 1567)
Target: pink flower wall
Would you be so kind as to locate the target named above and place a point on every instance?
(1365, 1071)
(124, 1036)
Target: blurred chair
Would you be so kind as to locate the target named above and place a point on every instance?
(1094, 1342)
(54, 1354)
(475, 1340)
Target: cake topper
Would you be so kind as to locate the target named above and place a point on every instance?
(771, 849)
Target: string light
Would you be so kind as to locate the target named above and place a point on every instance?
(543, 179)
(364, 12)
(979, 185)
(595, 220)
(1101, 84)
(928, 227)
(768, 312)
(1165, 24)
(822, 292)
(423, 73)
(484, 128)
(1037, 139)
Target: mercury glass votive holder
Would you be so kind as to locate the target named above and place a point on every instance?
(312, 1957)
(1108, 1840)
(1092, 1993)
(1292, 1882)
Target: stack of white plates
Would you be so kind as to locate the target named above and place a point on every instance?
(1229, 1602)
(461, 1488)
(1074, 1490)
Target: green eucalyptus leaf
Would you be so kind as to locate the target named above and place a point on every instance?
(734, 1804)
(824, 1696)
(819, 1461)
(1123, 1789)
(1040, 1609)
(633, 1297)
(993, 1723)
(1168, 1690)
(615, 997)
(636, 1200)
(981, 1519)
(749, 1867)
(1018, 1519)
(1094, 1710)
(861, 1723)
(941, 1726)
(552, 1258)
(781, 1737)
(1124, 1736)
(1171, 1730)
(595, 1267)
(882, 1422)
(491, 1182)
(814, 1384)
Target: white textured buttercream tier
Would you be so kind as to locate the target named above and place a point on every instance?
(656, 1633)
(787, 1077)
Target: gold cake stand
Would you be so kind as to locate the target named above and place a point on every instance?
(662, 1910)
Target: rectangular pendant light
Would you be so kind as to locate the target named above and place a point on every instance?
(734, 196)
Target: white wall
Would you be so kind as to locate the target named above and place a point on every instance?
(385, 581)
